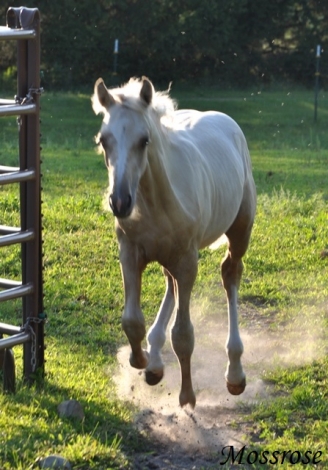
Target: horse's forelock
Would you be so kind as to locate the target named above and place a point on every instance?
(129, 96)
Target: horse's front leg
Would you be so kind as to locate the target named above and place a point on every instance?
(182, 334)
(133, 323)
(157, 333)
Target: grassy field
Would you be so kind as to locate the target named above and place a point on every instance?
(285, 286)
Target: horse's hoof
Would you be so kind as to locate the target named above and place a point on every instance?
(234, 389)
(139, 362)
(153, 378)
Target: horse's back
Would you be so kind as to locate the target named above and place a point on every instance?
(210, 153)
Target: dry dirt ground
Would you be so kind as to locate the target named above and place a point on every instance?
(193, 439)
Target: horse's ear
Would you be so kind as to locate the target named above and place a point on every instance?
(147, 91)
(102, 99)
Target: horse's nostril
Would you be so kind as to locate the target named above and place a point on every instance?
(120, 208)
(128, 201)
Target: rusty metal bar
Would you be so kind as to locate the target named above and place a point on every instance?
(8, 169)
(8, 284)
(16, 292)
(20, 338)
(17, 177)
(18, 237)
(9, 329)
(32, 255)
(8, 33)
(7, 230)
(23, 25)
(17, 109)
(3, 102)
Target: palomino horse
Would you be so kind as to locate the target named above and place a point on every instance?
(178, 181)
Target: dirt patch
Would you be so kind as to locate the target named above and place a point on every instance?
(194, 439)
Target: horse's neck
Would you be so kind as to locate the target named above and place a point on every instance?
(154, 183)
(157, 188)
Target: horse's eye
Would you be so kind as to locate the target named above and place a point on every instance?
(144, 141)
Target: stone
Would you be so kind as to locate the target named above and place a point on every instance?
(54, 462)
(71, 409)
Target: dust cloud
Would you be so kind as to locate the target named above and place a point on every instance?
(217, 420)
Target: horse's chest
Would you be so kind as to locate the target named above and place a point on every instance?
(158, 241)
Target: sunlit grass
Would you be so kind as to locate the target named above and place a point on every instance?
(73, 371)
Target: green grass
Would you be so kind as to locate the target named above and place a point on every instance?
(285, 276)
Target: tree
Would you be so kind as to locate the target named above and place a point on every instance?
(229, 42)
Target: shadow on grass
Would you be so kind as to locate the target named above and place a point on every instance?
(33, 429)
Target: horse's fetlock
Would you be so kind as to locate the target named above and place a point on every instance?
(139, 360)
(187, 397)
(156, 338)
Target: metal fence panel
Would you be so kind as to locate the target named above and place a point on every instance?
(23, 26)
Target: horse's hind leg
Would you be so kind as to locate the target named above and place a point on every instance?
(157, 333)
(231, 270)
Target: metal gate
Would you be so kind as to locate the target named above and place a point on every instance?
(23, 26)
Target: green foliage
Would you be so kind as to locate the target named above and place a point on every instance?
(233, 43)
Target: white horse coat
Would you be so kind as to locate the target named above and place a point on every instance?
(178, 181)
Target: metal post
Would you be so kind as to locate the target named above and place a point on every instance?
(115, 56)
(316, 87)
(33, 253)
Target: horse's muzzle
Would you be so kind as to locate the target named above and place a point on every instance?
(121, 206)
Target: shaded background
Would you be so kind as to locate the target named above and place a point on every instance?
(230, 43)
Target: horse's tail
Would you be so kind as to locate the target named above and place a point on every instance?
(219, 242)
